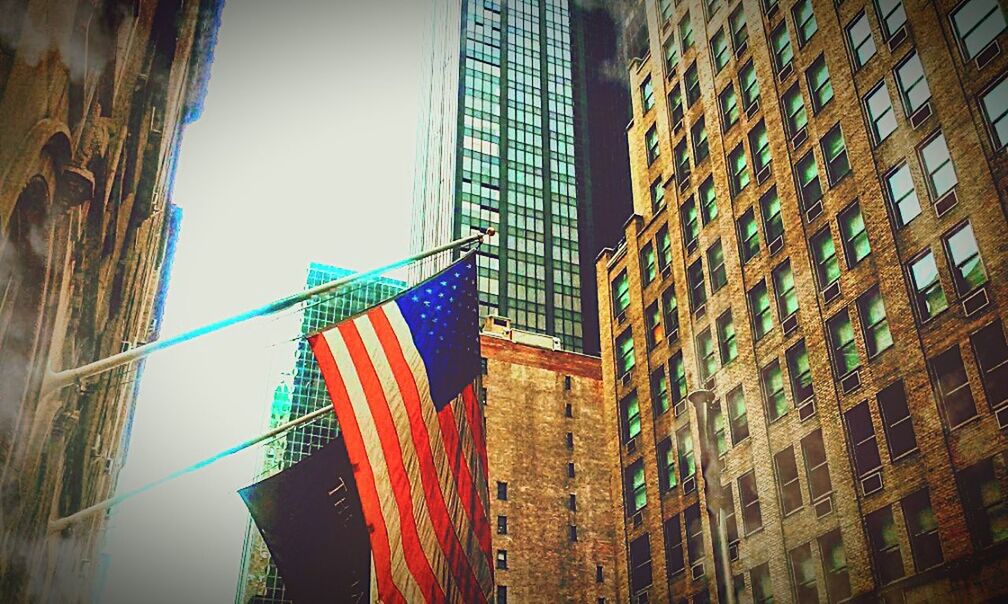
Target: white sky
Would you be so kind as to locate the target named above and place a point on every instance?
(304, 153)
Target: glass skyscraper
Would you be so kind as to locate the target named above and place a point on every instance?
(498, 148)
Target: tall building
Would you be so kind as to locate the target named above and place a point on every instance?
(818, 240)
(500, 145)
(94, 98)
(259, 580)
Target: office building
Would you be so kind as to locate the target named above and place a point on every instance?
(817, 240)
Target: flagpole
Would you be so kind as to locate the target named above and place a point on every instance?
(56, 380)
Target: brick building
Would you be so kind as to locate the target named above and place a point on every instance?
(818, 240)
(549, 451)
(94, 97)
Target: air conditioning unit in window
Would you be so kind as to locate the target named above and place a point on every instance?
(813, 211)
(946, 203)
(673, 334)
(975, 302)
(1002, 417)
(790, 324)
(667, 271)
(733, 551)
(800, 137)
(871, 483)
(621, 318)
(763, 174)
(692, 246)
(752, 109)
(700, 310)
(987, 55)
(897, 38)
(626, 378)
(684, 180)
(920, 115)
(631, 445)
(832, 291)
(697, 571)
(850, 382)
(689, 485)
(806, 408)
(676, 127)
(679, 408)
(638, 519)
(785, 72)
(823, 507)
(776, 245)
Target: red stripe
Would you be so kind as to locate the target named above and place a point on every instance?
(463, 479)
(363, 475)
(416, 558)
(444, 528)
(474, 416)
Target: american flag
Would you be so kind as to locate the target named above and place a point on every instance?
(401, 381)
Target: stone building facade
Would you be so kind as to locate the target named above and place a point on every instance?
(94, 97)
(819, 241)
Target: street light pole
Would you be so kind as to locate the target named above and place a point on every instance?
(711, 464)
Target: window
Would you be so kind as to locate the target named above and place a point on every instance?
(570, 440)
(784, 289)
(636, 487)
(726, 338)
(708, 357)
(621, 293)
(749, 85)
(728, 102)
(805, 21)
(896, 421)
(759, 307)
(624, 346)
(572, 502)
(647, 95)
(719, 50)
(929, 296)
(659, 391)
(502, 491)
(770, 208)
(664, 248)
(671, 309)
(824, 254)
(842, 346)
(816, 467)
(977, 23)
(864, 444)
(692, 80)
(880, 112)
(654, 333)
(483, 365)
(738, 420)
(835, 152)
(651, 140)
(913, 85)
(967, 266)
(649, 267)
(640, 564)
(953, 387)
(570, 469)
(995, 107)
(874, 324)
(752, 518)
(991, 351)
(682, 160)
(984, 504)
(834, 563)
(803, 571)
(568, 410)
(773, 391)
(739, 31)
(922, 529)
(631, 415)
(502, 559)
(712, 7)
(715, 264)
(794, 110)
(891, 15)
(657, 195)
(686, 32)
(739, 169)
(748, 236)
(694, 533)
(666, 466)
(781, 44)
(675, 103)
(690, 222)
(884, 545)
(787, 480)
(799, 372)
(687, 465)
(902, 196)
(698, 295)
(938, 166)
(819, 83)
(759, 145)
(859, 36)
(762, 588)
(853, 234)
(698, 134)
(808, 179)
(501, 594)
(675, 561)
(665, 9)
(677, 373)
(708, 201)
(599, 578)
(502, 525)
(671, 52)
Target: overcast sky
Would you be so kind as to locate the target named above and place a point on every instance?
(304, 153)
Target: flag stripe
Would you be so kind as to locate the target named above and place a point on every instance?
(469, 454)
(435, 489)
(418, 561)
(363, 475)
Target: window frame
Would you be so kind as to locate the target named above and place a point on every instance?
(854, 48)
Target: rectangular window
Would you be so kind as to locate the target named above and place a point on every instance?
(671, 309)
(631, 415)
(759, 308)
(671, 52)
(995, 106)
(794, 110)
(728, 101)
(666, 466)
(677, 372)
(752, 517)
(719, 50)
(859, 37)
(914, 90)
(808, 180)
(803, 571)
(651, 140)
(570, 469)
(824, 254)
(654, 333)
(674, 559)
(501, 594)
(787, 480)
(842, 346)
(749, 85)
(874, 324)
(770, 208)
(694, 533)
(834, 563)
(665, 10)
(922, 529)
(502, 559)
(687, 465)
(726, 338)
(690, 221)
(853, 234)
(716, 266)
(640, 564)
(572, 532)
(762, 588)
(799, 372)
(773, 391)
(805, 23)
(938, 166)
(708, 356)
(884, 544)
(636, 488)
(739, 30)
(695, 276)
(682, 160)
(664, 248)
(625, 349)
(953, 387)
(968, 271)
(984, 504)
(502, 525)
(698, 134)
(659, 391)
(621, 293)
(692, 80)
(708, 201)
(502, 491)
(816, 467)
(572, 502)
(929, 296)
(657, 195)
(977, 23)
(759, 145)
(902, 195)
(834, 151)
(731, 524)
(784, 289)
(896, 421)
(675, 103)
(864, 444)
(739, 170)
(647, 95)
(686, 32)
(819, 83)
(891, 15)
(991, 352)
(649, 265)
(748, 236)
(781, 44)
(738, 417)
(880, 112)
